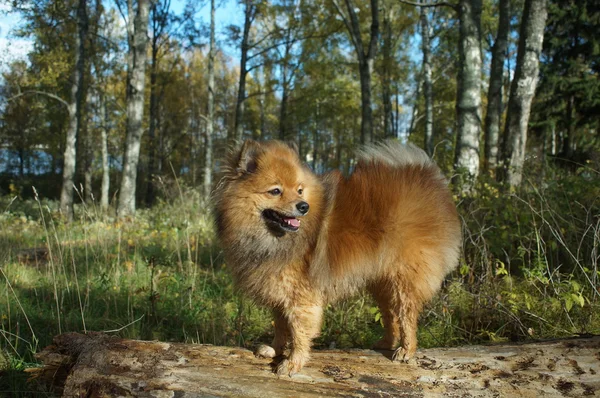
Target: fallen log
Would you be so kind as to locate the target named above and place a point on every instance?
(98, 365)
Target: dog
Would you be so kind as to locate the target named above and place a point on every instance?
(295, 241)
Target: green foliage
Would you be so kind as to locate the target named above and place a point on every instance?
(568, 99)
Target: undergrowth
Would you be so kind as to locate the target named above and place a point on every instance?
(529, 270)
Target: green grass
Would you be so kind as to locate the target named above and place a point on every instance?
(529, 270)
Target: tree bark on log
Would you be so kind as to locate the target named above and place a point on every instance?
(98, 365)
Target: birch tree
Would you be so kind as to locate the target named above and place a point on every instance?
(105, 185)
(137, 37)
(74, 108)
(531, 37)
(210, 114)
(386, 70)
(365, 53)
(494, 106)
(468, 102)
(427, 80)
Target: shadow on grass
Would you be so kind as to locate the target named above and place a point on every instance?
(18, 383)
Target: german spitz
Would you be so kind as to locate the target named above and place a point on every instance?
(295, 241)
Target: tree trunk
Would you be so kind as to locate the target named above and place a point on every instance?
(388, 123)
(315, 152)
(21, 150)
(523, 86)
(97, 365)
(87, 136)
(494, 106)
(138, 40)
(427, 81)
(105, 166)
(365, 60)
(366, 124)
(75, 109)
(150, 189)
(88, 166)
(208, 148)
(284, 94)
(415, 109)
(567, 142)
(262, 101)
(249, 13)
(468, 103)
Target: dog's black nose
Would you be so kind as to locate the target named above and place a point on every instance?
(302, 207)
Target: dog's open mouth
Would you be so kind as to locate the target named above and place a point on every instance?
(286, 222)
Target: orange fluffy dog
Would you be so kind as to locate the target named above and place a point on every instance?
(295, 241)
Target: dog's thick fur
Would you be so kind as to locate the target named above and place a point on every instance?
(390, 227)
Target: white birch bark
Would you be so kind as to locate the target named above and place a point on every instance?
(138, 40)
(208, 150)
(468, 104)
(74, 109)
(427, 81)
(494, 106)
(104, 191)
(523, 86)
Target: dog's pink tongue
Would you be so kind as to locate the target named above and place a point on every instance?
(294, 222)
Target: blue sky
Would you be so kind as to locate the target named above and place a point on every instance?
(11, 48)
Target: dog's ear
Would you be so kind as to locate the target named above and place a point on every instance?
(246, 160)
(293, 146)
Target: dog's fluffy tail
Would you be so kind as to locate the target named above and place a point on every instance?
(395, 154)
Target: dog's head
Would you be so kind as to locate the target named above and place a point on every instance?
(266, 187)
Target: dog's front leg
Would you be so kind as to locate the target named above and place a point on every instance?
(282, 335)
(305, 324)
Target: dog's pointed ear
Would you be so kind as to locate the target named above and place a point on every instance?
(247, 158)
(293, 146)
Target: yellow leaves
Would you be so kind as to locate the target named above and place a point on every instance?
(129, 266)
(501, 268)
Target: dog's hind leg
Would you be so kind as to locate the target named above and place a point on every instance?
(384, 294)
(410, 308)
(400, 306)
(282, 335)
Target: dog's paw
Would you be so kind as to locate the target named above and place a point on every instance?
(288, 367)
(404, 355)
(265, 351)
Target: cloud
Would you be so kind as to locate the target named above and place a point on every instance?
(11, 48)
(14, 49)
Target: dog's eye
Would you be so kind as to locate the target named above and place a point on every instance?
(300, 190)
(275, 192)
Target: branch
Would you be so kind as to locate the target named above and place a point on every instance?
(436, 4)
(346, 22)
(355, 31)
(53, 96)
(256, 93)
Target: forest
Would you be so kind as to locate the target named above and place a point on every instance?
(114, 127)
